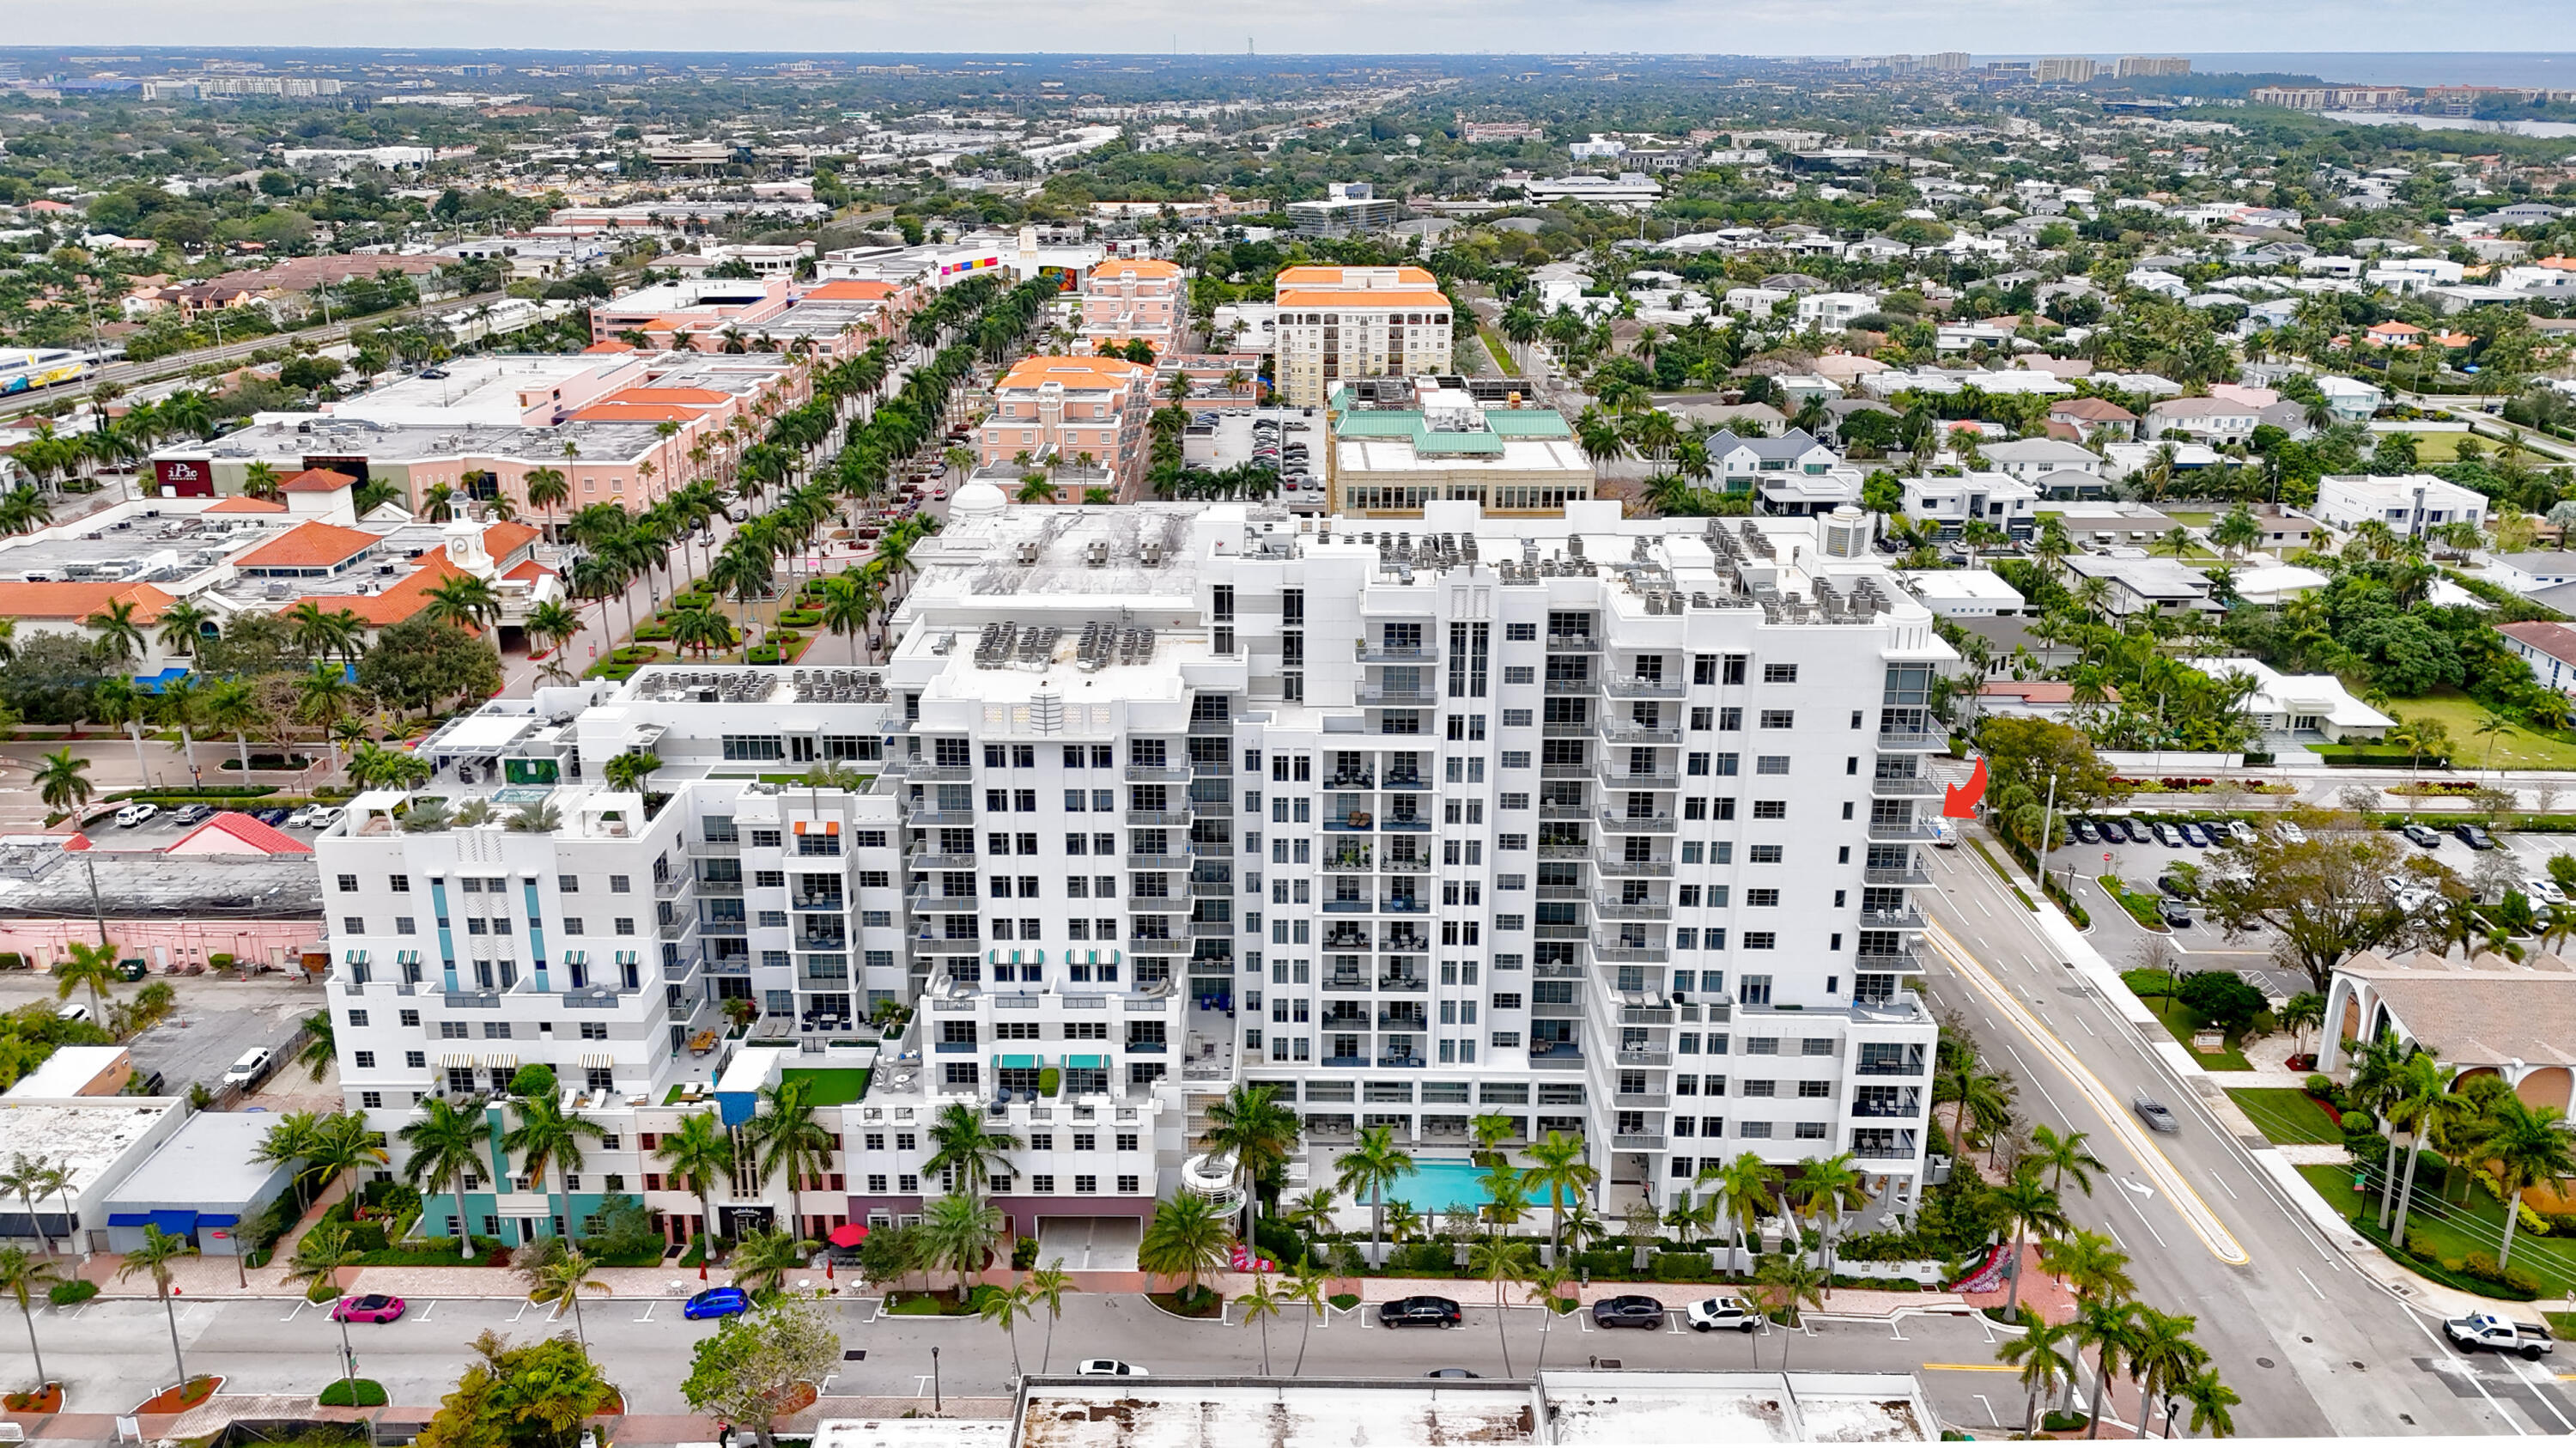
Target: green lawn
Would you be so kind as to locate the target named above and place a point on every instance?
(2179, 1021)
(2516, 748)
(2448, 1231)
(830, 1086)
(2286, 1115)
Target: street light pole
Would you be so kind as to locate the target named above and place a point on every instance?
(934, 1383)
(2047, 824)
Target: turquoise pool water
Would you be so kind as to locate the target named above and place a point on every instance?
(1439, 1186)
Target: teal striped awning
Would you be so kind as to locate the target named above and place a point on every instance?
(1016, 1063)
(1087, 1063)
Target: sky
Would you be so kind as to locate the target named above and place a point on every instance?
(1739, 27)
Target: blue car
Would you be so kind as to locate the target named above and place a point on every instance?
(717, 1302)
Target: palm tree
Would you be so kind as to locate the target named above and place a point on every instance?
(627, 773)
(547, 490)
(22, 1277)
(787, 1140)
(445, 1148)
(91, 966)
(2089, 1264)
(847, 605)
(1305, 1287)
(1744, 1185)
(1250, 1123)
(466, 602)
(2062, 1157)
(2163, 1357)
(120, 638)
(317, 1263)
(2108, 1324)
(2029, 1206)
(1794, 1280)
(1373, 1164)
(158, 1251)
(560, 1273)
(2046, 1356)
(1831, 1185)
(959, 1230)
(25, 1179)
(1498, 1259)
(63, 783)
(548, 1136)
(699, 1155)
(1558, 1171)
(965, 1151)
(1975, 1091)
(1046, 1287)
(181, 706)
(2210, 1399)
(762, 1260)
(1187, 1238)
(1259, 1306)
(116, 703)
(2526, 1145)
(320, 1046)
(232, 707)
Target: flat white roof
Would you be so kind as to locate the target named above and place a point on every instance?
(1981, 584)
(91, 1133)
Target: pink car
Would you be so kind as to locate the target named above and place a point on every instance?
(374, 1307)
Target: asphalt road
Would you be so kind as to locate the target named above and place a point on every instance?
(2315, 1346)
(111, 1353)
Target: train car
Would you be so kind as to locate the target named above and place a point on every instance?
(24, 369)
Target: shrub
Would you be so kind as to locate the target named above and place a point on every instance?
(1683, 1267)
(1344, 1300)
(1049, 1080)
(2366, 1146)
(69, 1294)
(653, 632)
(1024, 1254)
(2356, 1120)
(798, 618)
(2221, 997)
(2320, 1087)
(369, 1394)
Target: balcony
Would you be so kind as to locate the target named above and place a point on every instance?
(923, 819)
(1148, 1048)
(1564, 688)
(1659, 866)
(1406, 943)
(1905, 832)
(1223, 728)
(1662, 824)
(1556, 1010)
(1898, 962)
(1900, 1149)
(1574, 729)
(1560, 1056)
(1642, 1099)
(1405, 984)
(1557, 810)
(1385, 653)
(1621, 779)
(1410, 905)
(1615, 950)
(1631, 732)
(1897, 1110)
(1892, 740)
(1211, 889)
(932, 901)
(1346, 984)
(717, 929)
(1630, 1141)
(1908, 918)
(1404, 778)
(715, 849)
(940, 862)
(476, 1000)
(670, 887)
(1633, 686)
(1211, 927)
(1347, 907)
(1161, 862)
(1573, 643)
(1362, 779)
(1908, 1066)
(1158, 774)
(1920, 786)
(1411, 823)
(1402, 1021)
(1406, 864)
(1645, 1015)
(678, 971)
(1403, 1062)
(1170, 819)
(721, 889)
(1644, 1056)
(919, 773)
(1383, 695)
(1358, 821)
(1911, 874)
(1610, 907)
(818, 902)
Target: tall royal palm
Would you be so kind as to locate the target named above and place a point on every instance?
(1371, 1168)
(444, 1148)
(1249, 1122)
(964, 1151)
(547, 1141)
(21, 1278)
(1559, 1171)
(154, 1257)
(699, 1155)
(789, 1139)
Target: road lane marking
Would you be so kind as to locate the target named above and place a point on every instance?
(648, 1312)
(1989, 1407)
(2220, 1177)
(298, 1312)
(431, 1307)
(2195, 1213)
(2312, 1284)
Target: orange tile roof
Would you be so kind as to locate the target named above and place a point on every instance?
(245, 503)
(309, 545)
(2396, 329)
(318, 480)
(1331, 276)
(849, 291)
(80, 600)
(608, 346)
(395, 604)
(1073, 372)
(529, 572)
(615, 410)
(668, 394)
(1142, 269)
(235, 834)
(503, 539)
(1391, 297)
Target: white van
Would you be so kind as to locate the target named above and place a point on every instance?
(246, 1070)
(74, 1011)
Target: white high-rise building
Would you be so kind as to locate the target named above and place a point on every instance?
(1599, 825)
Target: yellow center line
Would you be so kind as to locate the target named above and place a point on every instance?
(2195, 1213)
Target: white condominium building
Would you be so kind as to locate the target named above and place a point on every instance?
(1342, 322)
(1599, 825)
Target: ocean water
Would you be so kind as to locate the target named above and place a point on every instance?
(2554, 69)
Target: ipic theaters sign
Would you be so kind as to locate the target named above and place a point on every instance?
(184, 477)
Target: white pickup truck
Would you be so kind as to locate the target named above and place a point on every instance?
(2486, 1330)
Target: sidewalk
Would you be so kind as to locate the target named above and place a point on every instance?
(1477, 1292)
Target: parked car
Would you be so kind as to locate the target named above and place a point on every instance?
(1451, 1373)
(2085, 831)
(2240, 831)
(716, 1302)
(302, 819)
(2168, 836)
(2175, 916)
(2474, 836)
(2545, 892)
(2196, 837)
(1108, 1368)
(247, 1069)
(323, 816)
(2290, 833)
(1420, 1312)
(2422, 836)
(189, 814)
(135, 814)
(269, 816)
(1728, 1314)
(2173, 886)
(374, 1307)
(2154, 1113)
(1630, 1310)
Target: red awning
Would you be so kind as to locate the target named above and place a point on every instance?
(849, 1234)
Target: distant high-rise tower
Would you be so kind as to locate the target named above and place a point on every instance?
(1950, 60)
(2147, 65)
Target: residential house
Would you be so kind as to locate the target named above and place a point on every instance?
(1833, 311)
(2300, 704)
(1993, 498)
(2529, 573)
(2410, 504)
(2550, 649)
(2145, 585)
(2487, 1016)
(2029, 459)
(2091, 416)
(2207, 419)
(1962, 592)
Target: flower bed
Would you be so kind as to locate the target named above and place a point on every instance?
(180, 1399)
(47, 1399)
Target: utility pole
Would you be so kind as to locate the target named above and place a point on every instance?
(89, 858)
(2047, 827)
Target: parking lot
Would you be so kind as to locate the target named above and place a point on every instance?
(1266, 435)
(179, 819)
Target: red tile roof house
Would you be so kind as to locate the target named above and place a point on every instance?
(2550, 649)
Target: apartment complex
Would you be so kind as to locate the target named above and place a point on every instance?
(1338, 322)
(1132, 301)
(1400, 443)
(1602, 825)
(1073, 416)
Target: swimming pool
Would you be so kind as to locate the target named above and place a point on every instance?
(1439, 1186)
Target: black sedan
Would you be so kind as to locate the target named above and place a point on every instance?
(1630, 1311)
(2474, 837)
(1420, 1312)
